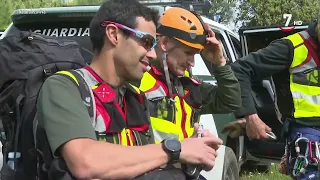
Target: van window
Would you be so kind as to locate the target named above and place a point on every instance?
(235, 43)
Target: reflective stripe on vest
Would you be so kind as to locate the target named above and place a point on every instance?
(182, 126)
(126, 136)
(186, 74)
(304, 76)
(153, 88)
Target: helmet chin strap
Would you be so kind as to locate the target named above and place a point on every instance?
(190, 71)
(164, 58)
(166, 73)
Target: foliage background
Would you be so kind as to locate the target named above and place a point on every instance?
(234, 13)
(269, 12)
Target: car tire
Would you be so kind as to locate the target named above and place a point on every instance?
(230, 166)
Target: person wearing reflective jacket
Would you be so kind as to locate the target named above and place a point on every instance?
(176, 99)
(293, 62)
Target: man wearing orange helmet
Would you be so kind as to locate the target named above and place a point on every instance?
(176, 100)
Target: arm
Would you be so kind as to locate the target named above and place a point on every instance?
(71, 135)
(260, 65)
(224, 97)
(89, 159)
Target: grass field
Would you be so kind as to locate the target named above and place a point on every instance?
(271, 175)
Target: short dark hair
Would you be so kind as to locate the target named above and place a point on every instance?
(121, 11)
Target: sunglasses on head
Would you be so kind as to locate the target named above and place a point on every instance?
(148, 41)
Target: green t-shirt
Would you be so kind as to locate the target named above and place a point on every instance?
(62, 113)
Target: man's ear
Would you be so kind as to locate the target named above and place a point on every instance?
(163, 43)
(112, 34)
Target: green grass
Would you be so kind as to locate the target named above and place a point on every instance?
(273, 174)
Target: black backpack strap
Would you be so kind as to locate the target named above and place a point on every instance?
(44, 159)
(58, 166)
(85, 92)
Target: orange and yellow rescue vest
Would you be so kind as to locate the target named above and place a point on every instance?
(304, 76)
(171, 119)
(128, 126)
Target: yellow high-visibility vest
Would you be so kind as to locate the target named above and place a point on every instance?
(124, 136)
(304, 76)
(167, 122)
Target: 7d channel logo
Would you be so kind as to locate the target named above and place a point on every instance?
(288, 20)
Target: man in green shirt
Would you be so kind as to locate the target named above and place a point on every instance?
(176, 100)
(123, 35)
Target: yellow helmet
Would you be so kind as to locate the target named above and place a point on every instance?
(183, 25)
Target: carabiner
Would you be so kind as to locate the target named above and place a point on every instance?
(312, 158)
(297, 147)
(317, 151)
(171, 102)
(300, 166)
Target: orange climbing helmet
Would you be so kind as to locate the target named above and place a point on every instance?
(183, 25)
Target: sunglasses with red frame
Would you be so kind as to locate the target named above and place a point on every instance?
(148, 41)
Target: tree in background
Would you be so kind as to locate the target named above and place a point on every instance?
(8, 6)
(224, 8)
(270, 12)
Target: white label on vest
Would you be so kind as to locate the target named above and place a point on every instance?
(60, 32)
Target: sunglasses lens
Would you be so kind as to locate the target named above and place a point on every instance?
(148, 41)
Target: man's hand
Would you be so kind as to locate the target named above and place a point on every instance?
(200, 150)
(213, 50)
(206, 133)
(256, 128)
(236, 128)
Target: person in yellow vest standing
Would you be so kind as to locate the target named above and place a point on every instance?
(294, 63)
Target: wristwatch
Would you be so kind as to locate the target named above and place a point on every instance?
(172, 147)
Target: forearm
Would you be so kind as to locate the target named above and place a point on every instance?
(248, 105)
(259, 65)
(123, 162)
(245, 78)
(226, 96)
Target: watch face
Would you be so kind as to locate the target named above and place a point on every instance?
(173, 145)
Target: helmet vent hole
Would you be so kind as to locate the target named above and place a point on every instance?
(183, 18)
(189, 22)
(193, 27)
